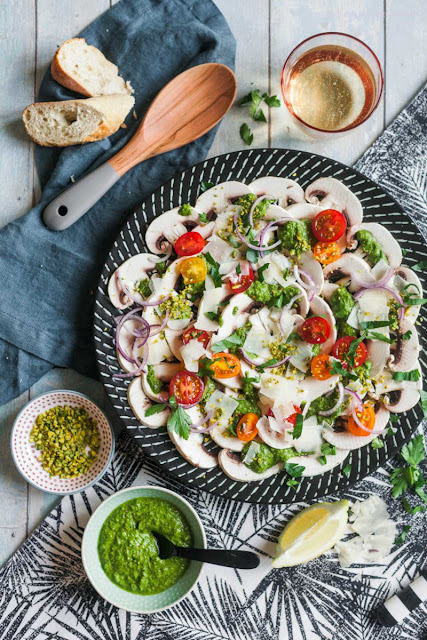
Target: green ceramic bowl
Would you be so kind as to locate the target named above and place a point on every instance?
(114, 594)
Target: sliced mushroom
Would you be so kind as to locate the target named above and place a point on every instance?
(302, 303)
(345, 266)
(312, 466)
(286, 191)
(217, 198)
(274, 212)
(304, 211)
(409, 277)
(193, 450)
(130, 273)
(277, 439)
(164, 371)
(229, 321)
(346, 440)
(382, 236)
(309, 389)
(333, 194)
(225, 440)
(404, 399)
(165, 229)
(174, 340)
(139, 402)
(321, 308)
(235, 469)
(404, 356)
(308, 263)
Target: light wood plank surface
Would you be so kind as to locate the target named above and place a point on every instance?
(266, 31)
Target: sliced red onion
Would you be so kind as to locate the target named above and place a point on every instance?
(278, 364)
(131, 374)
(355, 396)
(377, 432)
(198, 426)
(249, 244)
(126, 291)
(298, 273)
(122, 320)
(158, 328)
(337, 404)
(379, 283)
(156, 302)
(255, 204)
(260, 364)
(393, 293)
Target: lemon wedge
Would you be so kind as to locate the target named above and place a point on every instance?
(310, 533)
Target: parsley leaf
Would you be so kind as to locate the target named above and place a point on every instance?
(185, 210)
(413, 452)
(379, 336)
(213, 316)
(269, 363)
(246, 134)
(377, 443)
(203, 218)
(423, 395)
(412, 510)
(403, 535)
(374, 324)
(234, 340)
(293, 483)
(347, 470)
(294, 470)
(328, 449)
(204, 186)
(155, 408)
(259, 116)
(261, 270)
(322, 459)
(412, 376)
(180, 422)
(407, 335)
(252, 255)
(271, 101)
(420, 266)
(213, 270)
(297, 431)
(205, 368)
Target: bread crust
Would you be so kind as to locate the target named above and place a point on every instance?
(62, 77)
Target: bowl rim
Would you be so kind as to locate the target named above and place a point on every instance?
(130, 489)
(89, 484)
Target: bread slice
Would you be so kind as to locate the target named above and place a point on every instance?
(61, 124)
(84, 69)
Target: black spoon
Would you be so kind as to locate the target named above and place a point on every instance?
(223, 557)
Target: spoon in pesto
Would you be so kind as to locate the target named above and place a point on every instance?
(223, 557)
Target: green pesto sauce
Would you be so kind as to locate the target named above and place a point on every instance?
(128, 550)
(271, 294)
(345, 329)
(144, 288)
(267, 457)
(342, 302)
(241, 334)
(247, 201)
(324, 404)
(154, 382)
(373, 251)
(296, 236)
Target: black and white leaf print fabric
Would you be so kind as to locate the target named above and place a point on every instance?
(44, 594)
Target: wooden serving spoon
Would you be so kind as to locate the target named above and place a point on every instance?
(184, 110)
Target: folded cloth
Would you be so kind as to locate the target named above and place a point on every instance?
(49, 278)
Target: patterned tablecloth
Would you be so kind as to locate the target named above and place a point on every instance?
(44, 593)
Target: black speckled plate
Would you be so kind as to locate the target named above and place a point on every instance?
(246, 166)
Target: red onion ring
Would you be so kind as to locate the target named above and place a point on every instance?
(393, 293)
(156, 302)
(159, 327)
(337, 404)
(122, 320)
(255, 204)
(355, 396)
(377, 432)
(126, 291)
(298, 273)
(198, 426)
(249, 244)
(379, 283)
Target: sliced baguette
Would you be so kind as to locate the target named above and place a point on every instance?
(61, 124)
(83, 68)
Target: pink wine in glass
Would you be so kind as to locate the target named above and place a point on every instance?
(331, 87)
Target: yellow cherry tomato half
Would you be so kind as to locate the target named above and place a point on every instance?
(320, 367)
(246, 427)
(193, 270)
(326, 252)
(366, 417)
(225, 365)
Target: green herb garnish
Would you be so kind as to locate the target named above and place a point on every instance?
(246, 134)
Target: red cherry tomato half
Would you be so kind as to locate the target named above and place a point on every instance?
(341, 348)
(242, 283)
(187, 388)
(292, 418)
(329, 225)
(195, 334)
(315, 330)
(189, 244)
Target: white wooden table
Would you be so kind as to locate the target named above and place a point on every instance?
(266, 31)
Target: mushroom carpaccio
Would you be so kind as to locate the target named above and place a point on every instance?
(268, 328)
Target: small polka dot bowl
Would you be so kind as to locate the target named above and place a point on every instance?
(133, 602)
(25, 455)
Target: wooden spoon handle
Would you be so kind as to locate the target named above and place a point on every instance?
(75, 201)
